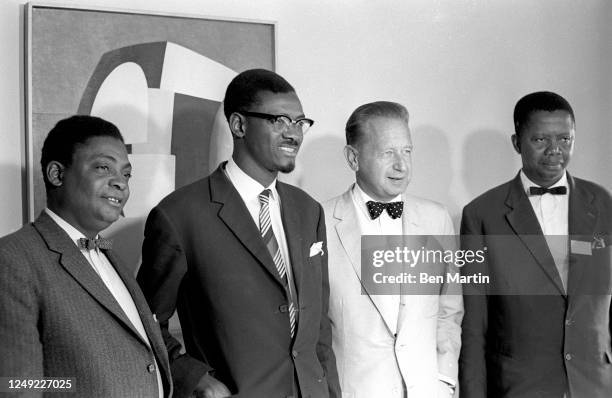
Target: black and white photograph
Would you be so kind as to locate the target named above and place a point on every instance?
(343, 199)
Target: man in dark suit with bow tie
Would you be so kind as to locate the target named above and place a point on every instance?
(68, 308)
(242, 258)
(541, 327)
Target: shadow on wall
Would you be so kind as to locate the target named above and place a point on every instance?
(432, 172)
(488, 160)
(321, 169)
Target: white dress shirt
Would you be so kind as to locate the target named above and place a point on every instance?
(552, 214)
(249, 191)
(107, 273)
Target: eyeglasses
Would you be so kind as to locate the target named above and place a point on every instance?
(282, 123)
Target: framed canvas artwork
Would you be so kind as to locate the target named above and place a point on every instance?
(160, 78)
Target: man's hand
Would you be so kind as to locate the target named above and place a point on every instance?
(209, 387)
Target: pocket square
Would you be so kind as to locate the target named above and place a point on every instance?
(316, 248)
(598, 242)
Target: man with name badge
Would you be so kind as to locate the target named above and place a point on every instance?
(541, 328)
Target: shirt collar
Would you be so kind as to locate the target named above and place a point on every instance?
(72, 232)
(246, 186)
(527, 183)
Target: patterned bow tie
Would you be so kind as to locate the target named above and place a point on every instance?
(91, 244)
(553, 191)
(394, 209)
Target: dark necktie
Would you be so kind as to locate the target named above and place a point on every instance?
(542, 191)
(91, 244)
(265, 228)
(394, 209)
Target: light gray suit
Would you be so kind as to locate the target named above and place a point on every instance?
(378, 344)
(58, 319)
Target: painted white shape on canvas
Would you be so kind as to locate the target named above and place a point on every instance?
(123, 100)
(187, 72)
(152, 179)
(159, 133)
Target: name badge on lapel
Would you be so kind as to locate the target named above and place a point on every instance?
(580, 247)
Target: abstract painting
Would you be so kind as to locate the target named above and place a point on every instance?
(160, 78)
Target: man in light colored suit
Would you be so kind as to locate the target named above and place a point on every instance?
(68, 308)
(541, 328)
(386, 345)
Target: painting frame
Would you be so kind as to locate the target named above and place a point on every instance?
(38, 12)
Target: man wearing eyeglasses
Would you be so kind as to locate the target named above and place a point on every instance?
(541, 327)
(242, 258)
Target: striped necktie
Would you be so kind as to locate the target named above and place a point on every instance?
(265, 228)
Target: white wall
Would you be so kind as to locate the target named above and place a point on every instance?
(458, 65)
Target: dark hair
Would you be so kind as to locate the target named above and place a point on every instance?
(242, 91)
(538, 101)
(365, 112)
(62, 140)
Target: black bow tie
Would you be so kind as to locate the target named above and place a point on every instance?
(553, 191)
(394, 209)
(91, 244)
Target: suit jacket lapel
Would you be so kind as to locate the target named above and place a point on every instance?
(151, 327)
(410, 217)
(347, 228)
(524, 222)
(295, 244)
(582, 213)
(582, 218)
(141, 305)
(77, 266)
(235, 215)
(411, 230)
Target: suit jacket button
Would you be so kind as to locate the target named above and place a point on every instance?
(294, 354)
(150, 368)
(568, 357)
(283, 308)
